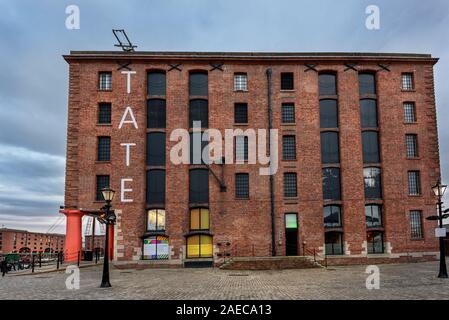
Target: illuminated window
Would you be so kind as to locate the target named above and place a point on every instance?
(199, 246)
(291, 221)
(199, 219)
(156, 248)
(156, 219)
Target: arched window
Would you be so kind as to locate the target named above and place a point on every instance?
(199, 219)
(328, 113)
(198, 111)
(156, 220)
(199, 246)
(375, 242)
(333, 243)
(367, 83)
(156, 83)
(156, 248)
(368, 113)
(327, 84)
(373, 216)
(198, 83)
(332, 216)
(372, 180)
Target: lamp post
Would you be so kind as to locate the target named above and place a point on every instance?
(439, 190)
(108, 218)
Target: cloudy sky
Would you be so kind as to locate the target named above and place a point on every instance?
(33, 77)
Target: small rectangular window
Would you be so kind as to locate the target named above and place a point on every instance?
(105, 81)
(241, 148)
(104, 113)
(407, 81)
(414, 183)
(156, 83)
(290, 185)
(288, 148)
(102, 182)
(104, 149)
(416, 224)
(240, 113)
(288, 113)
(411, 143)
(287, 82)
(242, 186)
(409, 112)
(240, 82)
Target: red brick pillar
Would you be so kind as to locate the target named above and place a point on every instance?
(73, 240)
(111, 241)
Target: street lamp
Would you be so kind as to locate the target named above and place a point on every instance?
(109, 219)
(439, 190)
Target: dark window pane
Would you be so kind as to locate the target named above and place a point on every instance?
(288, 113)
(327, 84)
(331, 184)
(156, 83)
(240, 113)
(334, 243)
(367, 83)
(416, 224)
(104, 113)
(328, 114)
(290, 185)
(156, 113)
(102, 182)
(287, 81)
(411, 143)
(372, 182)
(373, 215)
(330, 147)
(288, 148)
(368, 113)
(409, 112)
(156, 149)
(199, 186)
(198, 111)
(198, 84)
(375, 242)
(370, 142)
(198, 144)
(242, 185)
(104, 149)
(155, 186)
(332, 217)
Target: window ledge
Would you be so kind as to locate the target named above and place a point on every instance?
(418, 239)
(287, 90)
(102, 161)
(289, 124)
(415, 195)
(414, 158)
(243, 91)
(240, 199)
(104, 124)
(241, 124)
(405, 90)
(103, 90)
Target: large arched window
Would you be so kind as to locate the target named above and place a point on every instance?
(198, 83)
(199, 246)
(156, 248)
(367, 83)
(327, 84)
(333, 243)
(156, 220)
(199, 219)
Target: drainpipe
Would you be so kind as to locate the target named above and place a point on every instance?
(270, 125)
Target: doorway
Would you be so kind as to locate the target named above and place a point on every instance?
(291, 234)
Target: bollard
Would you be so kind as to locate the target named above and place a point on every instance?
(96, 256)
(32, 263)
(40, 259)
(4, 266)
(57, 261)
(79, 256)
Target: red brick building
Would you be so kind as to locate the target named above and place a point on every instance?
(23, 241)
(357, 145)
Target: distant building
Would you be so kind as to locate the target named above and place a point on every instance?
(13, 240)
(98, 242)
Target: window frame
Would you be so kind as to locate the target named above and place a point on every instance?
(341, 244)
(238, 108)
(373, 74)
(195, 109)
(415, 145)
(154, 155)
(291, 174)
(371, 188)
(99, 114)
(330, 189)
(284, 81)
(157, 72)
(108, 83)
(287, 155)
(159, 107)
(237, 82)
(200, 220)
(340, 219)
(330, 147)
(193, 73)
(206, 190)
(419, 226)
(405, 113)
(372, 225)
(324, 119)
(284, 114)
(98, 193)
(159, 196)
(321, 84)
(157, 220)
(200, 256)
(245, 194)
(367, 157)
(412, 81)
(103, 155)
(418, 183)
(373, 247)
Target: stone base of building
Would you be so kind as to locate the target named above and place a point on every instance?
(382, 258)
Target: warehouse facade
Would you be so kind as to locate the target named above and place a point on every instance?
(355, 139)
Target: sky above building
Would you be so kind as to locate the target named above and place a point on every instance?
(34, 76)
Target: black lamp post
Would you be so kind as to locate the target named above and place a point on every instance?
(108, 218)
(439, 190)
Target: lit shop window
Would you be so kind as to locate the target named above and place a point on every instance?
(199, 246)
(156, 248)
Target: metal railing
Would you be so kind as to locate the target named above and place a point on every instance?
(317, 256)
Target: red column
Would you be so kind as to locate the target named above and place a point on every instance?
(111, 241)
(73, 238)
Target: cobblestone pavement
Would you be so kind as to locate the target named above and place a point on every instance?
(400, 281)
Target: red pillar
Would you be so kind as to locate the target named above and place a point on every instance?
(73, 238)
(111, 241)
